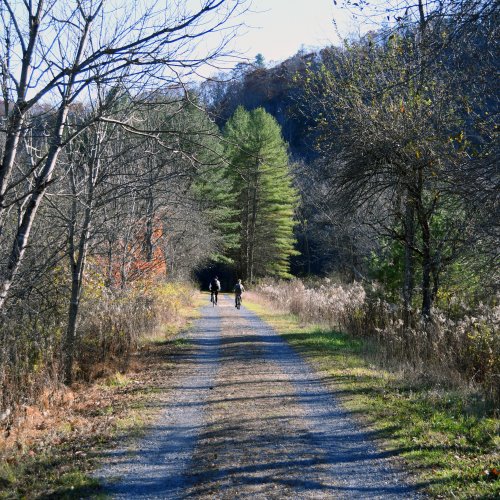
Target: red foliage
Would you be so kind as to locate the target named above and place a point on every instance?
(129, 262)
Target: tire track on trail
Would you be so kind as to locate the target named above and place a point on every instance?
(274, 430)
(156, 468)
(249, 418)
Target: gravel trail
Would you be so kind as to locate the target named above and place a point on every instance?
(251, 419)
(156, 468)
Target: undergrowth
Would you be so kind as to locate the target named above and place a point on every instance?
(459, 351)
(448, 438)
(49, 448)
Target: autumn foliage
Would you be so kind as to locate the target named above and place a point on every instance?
(129, 262)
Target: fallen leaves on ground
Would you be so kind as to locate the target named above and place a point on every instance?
(64, 431)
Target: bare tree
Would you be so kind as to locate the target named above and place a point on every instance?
(59, 53)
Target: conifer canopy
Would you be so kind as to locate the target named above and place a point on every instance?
(264, 197)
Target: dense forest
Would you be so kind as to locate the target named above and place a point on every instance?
(374, 163)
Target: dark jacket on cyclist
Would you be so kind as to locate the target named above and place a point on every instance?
(239, 288)
(214, 285)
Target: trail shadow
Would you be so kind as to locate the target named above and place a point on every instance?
(327, 453)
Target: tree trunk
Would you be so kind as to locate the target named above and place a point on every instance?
(253, 224)
(307, 249)
(69, 341)
(247, 235)
(43, 179)
(10, 152)
(426, 271)
(148, 240)
(426, 247)
(16, 120)
(408, 280)
(435, 279)
(78, 265)
(123, 263)
(110, 278)
(23, 232)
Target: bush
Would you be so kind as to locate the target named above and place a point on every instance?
(458, 351)
(111, 324)
(114, 321)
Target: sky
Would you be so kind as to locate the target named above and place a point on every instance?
(279, 28)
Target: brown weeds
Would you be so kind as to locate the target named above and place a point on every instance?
(112, 324)
(451, 352)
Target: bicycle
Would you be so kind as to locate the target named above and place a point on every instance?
(238, 301)
(213, 298)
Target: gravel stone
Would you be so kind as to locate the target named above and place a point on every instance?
(249, 418)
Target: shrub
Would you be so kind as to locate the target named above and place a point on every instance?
(114, 321)
(110, 326)
(448, 351)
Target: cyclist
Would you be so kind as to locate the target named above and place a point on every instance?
(238, 290)
(214, 288)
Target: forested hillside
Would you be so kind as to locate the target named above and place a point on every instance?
(393, 139)
(373, 164)
(366, 100)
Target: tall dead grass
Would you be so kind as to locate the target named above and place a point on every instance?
(111, 325)
(114, 322)
(451, 352)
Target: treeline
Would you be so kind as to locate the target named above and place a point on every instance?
(407, 141)
(102, 150)
(395, 142)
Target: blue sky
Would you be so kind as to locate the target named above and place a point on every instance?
(278, 28)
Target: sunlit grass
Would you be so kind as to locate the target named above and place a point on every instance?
(446, 438)
(36, 474)
(118, 379)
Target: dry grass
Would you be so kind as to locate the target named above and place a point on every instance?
(448, 437)
(49, 446)
(112, 328)
(463, 352)
(114, 323)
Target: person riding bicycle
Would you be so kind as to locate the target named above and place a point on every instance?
(214, 288)
(238, 290)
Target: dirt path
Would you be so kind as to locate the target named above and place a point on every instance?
(248, 418)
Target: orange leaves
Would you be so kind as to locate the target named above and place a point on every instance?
(138, 255)
(492, 474)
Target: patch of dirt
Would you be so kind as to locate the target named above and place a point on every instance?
(244, 449)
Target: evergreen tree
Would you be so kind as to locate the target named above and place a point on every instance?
(259, 61)
(213, 189)
(265, 199)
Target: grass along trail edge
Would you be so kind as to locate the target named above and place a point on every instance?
(446, 439)
(57, 449)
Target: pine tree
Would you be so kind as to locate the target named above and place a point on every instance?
(265, 198)
(213, 189)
